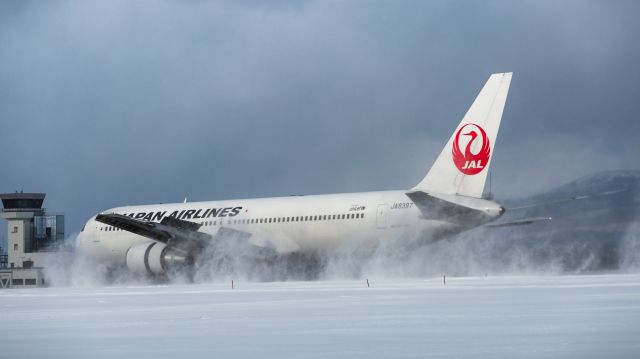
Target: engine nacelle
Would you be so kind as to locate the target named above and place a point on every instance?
(153, 257)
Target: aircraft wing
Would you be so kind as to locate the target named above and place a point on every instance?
(175, 233)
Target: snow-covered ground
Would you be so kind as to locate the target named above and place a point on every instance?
(595, 316)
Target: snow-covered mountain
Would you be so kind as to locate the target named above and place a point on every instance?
(595, 223)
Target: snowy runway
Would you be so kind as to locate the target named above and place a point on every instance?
(496, 317)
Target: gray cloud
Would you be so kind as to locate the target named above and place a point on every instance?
(112, 103)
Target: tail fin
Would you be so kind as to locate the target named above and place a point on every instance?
(463, 164)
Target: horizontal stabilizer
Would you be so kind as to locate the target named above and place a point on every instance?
(520, 222)
(465, 211)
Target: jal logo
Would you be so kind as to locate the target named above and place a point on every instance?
(468, 162)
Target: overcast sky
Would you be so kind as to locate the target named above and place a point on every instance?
(111, 103)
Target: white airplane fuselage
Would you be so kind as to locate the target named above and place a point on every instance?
(291, 224)
(449, 199)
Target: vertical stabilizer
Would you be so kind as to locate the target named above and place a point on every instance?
(463, 164)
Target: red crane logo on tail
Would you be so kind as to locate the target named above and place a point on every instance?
(468, 162)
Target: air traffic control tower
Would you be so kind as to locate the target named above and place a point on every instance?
(33, 236)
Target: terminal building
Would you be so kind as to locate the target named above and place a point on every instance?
(34, 236)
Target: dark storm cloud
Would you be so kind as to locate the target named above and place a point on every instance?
(113, 103)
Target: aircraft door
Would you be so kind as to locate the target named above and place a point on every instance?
(381, 217)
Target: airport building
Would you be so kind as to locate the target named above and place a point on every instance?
(34, 236)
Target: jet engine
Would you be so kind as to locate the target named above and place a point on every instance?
(152, 257)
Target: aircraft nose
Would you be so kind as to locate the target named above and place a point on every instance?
(81, 241)
(83, 238)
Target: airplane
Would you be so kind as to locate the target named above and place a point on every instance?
(156, 239)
